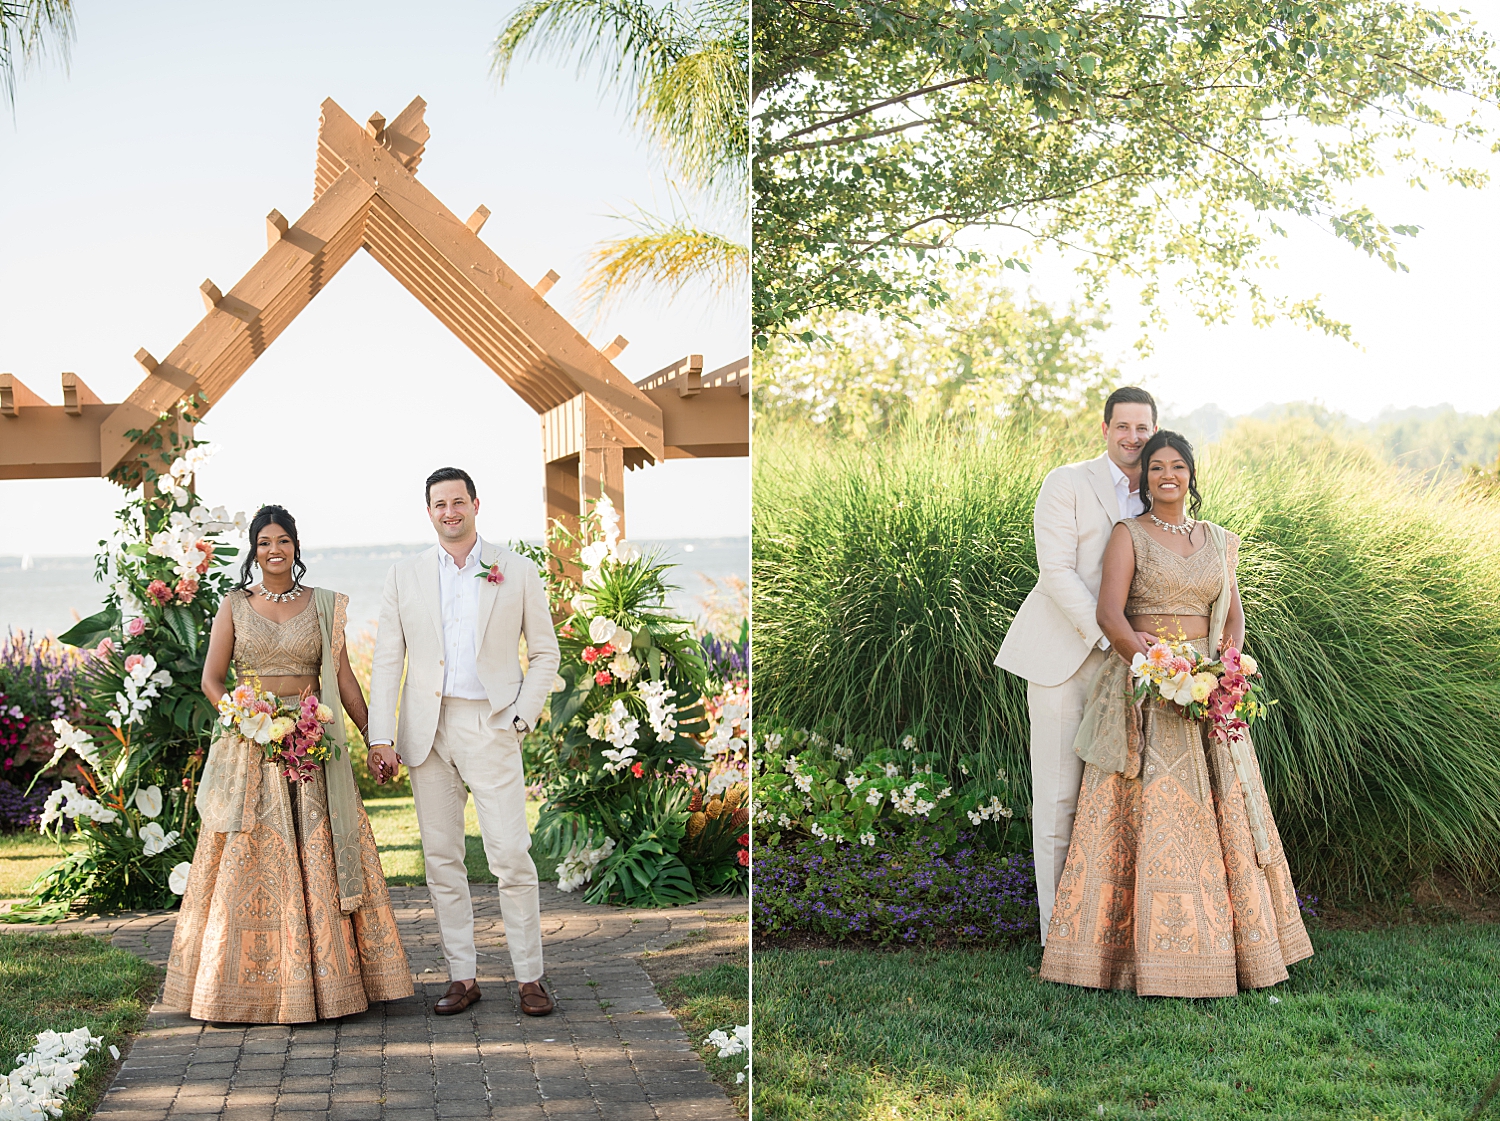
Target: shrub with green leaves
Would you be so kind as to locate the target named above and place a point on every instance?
(885, 578)
(628, 749)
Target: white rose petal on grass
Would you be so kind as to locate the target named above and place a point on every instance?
(178, 879)
(148, 800)
(1275, 1000)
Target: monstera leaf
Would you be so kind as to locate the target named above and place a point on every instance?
(90, 631)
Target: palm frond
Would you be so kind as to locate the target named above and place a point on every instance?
(669, 256)
(28, 29)
(698, 110)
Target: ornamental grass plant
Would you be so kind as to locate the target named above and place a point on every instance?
(885, 578)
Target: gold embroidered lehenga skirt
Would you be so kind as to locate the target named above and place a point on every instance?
(1162, 892)
(261, 937)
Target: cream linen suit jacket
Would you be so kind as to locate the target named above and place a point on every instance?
(411, 636)
(1055, 629)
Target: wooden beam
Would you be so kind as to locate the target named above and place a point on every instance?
(375, 128)
(406, 136)
(543, 286)
(477, 220)
(15, 396)
(49, 442)
(76, 395)
(276, 227)
(616, 348)
(147, 362)
(211, 294)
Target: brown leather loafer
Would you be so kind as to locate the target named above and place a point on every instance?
(456, 999)
(534, 999)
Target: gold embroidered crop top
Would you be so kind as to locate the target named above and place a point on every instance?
(267, 648)
(1168, 584)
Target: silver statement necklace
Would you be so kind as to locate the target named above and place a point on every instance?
(1185, 527)
(281, 597)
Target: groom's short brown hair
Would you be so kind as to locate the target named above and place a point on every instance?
(1128, 395)
(447, 475)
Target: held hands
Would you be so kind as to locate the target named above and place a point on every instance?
(385, 763)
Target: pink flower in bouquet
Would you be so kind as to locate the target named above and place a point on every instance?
(1159, 656)
(1231, 659)
(1234, 684)
(133, 661)
(186, 590)
(159, 592)
(105, 648)
(1181, 665)
(602, 677)
(135, 628)
(243, 695)
(207, 549)
(310, 729)
(590, 655)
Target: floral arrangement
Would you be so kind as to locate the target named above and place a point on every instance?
(291, 735)
(142, 725)
(1223, 691)
(851, 793)
(637, 739)
(43, 1076)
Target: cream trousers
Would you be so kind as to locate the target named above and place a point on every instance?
(1056, 774)
(467, 750)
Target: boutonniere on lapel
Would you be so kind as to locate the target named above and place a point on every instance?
(491, 575)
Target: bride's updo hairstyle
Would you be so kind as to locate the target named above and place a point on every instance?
(1164, 438)
(272, 515)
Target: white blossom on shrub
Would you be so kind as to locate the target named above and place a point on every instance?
(617, 726)
(155, 839)
(68, 801)
(177, 879)
(148, 800)
(660, 712)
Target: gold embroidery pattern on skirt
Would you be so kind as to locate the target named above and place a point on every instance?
(260, 937)
(1162, 892)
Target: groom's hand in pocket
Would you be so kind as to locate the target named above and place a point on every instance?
(385, 764)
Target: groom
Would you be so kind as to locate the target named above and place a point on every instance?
(453, 618)
(1054, 641)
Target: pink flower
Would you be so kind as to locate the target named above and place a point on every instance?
(1181, 665)
(1231, 659)
(106, 646)
(159, 592)
(186, 590)
(207, 549)
(637, 770)
(590, 655)
(494, 575)
(1234, 684)
(133, 661)
(135, 628)
(602, 677)
(1160, 655)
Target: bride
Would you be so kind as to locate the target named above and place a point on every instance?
(286, 917)
(1176, 883)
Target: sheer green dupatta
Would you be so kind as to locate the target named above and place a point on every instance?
(1110, 734)
(343, 795)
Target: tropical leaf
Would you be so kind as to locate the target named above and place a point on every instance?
(88, 632)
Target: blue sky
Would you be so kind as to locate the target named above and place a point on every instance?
(150, 163)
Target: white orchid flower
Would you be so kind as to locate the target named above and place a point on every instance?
(148, 800)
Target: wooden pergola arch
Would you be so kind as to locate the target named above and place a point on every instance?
(596, 423)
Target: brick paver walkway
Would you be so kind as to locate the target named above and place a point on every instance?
(610, 1051)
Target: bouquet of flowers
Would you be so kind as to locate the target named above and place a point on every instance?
(1224, 691)
(291, 735)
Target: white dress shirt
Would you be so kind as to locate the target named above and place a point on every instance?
(1130, 502)
(458, 591)
(1131, 506)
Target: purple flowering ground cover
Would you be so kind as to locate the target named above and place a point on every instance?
(902, 891)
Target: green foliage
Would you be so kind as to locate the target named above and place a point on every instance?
(686, 70)
(983, 352)
(621, 750)
(1156, 143)
(28, 30)
(1379, 1024)
(885, 578)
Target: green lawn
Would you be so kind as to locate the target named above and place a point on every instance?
(70, 981)
(24, 857)
(1396, 1023)
(394, 822)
